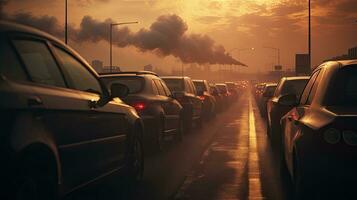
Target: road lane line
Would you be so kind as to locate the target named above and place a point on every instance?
(254, 191)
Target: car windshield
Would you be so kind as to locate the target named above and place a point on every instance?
(134, 83)
(174, 84)
(200, 86)
(294, 87)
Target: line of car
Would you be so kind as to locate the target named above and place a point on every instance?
(311, 122)
(64, 127)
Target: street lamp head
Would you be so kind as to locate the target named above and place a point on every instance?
(252, 48)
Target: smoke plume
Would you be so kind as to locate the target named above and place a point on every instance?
(166, 36)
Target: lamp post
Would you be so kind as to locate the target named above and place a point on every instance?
(277, 50)
(309, 34)
(65, 21)
(111, 40)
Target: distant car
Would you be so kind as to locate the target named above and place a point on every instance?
(258, 90)
(209, 102)
(148, 94)
(227, 96)
(268, 93)
(275, 110)
(218, 97)
(61, 129)
(233, 89)
(185, 92)
(320, 132)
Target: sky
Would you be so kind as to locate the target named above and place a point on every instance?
(196, 30)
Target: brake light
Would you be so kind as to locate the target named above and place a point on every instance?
(202, 98)
(139, 106)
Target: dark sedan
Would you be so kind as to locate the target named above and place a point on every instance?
(275, 110)
(61, 129)
(209, 102)
(149, 95)
(320, 132)
(227, 96)
(185, 92)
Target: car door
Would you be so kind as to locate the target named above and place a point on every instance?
(197, 102)
(61, 108)
(164, 102)
(174, 108)
(107, 125)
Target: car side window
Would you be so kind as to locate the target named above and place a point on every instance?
(187, 86)
(79, 77)
(278, 88)
(167, 91)
(307, 89)
(39, 62)
(314, 89)
(154, 88)
(10, 66)
(193, 88)
(159, 87)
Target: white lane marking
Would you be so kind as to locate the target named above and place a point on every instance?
(255, 191)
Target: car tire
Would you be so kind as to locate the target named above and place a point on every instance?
(34, 184)
(135, 166)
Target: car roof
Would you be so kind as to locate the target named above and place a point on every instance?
(291, 78)
(129, 73)
(174, 77)
(337, 63)
(271, 84)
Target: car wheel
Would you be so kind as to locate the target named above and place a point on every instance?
(33, 184)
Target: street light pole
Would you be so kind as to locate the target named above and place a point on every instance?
(309, 34)
(66, 21)
(278, 51)
(111, 41)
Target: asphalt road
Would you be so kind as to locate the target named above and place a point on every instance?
(230, 158)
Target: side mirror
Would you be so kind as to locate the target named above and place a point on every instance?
(288, 100)
(118, 90)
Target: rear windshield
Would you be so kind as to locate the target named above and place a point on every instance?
(175, 84)
(294, 87)
(200, 86)
(347, 87)
(222, 88)
(134, 83)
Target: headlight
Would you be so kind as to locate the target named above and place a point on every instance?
(350, 137)
(332, 136)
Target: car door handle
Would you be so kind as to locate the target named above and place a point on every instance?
(34, 102)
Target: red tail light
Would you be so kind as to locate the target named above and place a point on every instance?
(202, 98)
(139, 106)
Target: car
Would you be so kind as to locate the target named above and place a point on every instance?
(61, 129)
(268, 93)
(209, 102)
(320, 132)
(217, 96)
(185, 92)
(233, 89)
(148, 94)
(275, 111)
(227, 96)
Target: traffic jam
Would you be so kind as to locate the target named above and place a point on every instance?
(174, 115)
